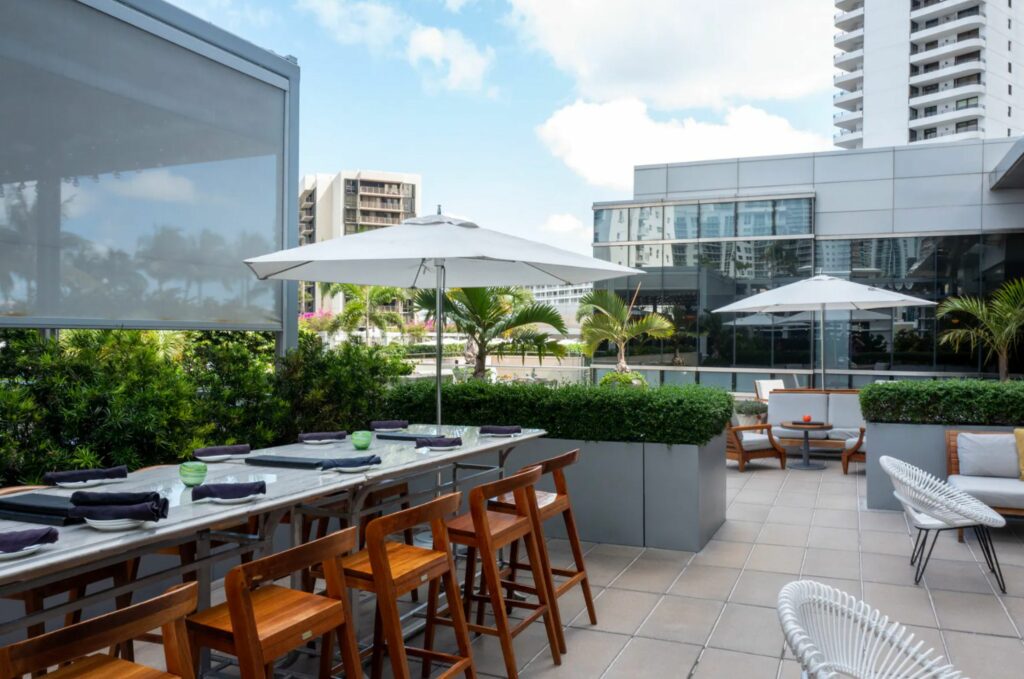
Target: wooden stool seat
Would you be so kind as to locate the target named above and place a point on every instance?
(410, 567)
(548, 504)
(502, 528)
(284, 619)
(105, 667)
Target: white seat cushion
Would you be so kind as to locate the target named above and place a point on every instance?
(993, 455)
(844, 413)
(995, 492)
(753, 441)
(843, 434)
(852, 441)
(792, 406)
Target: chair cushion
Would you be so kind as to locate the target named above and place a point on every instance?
(844, 411)
(753, 441)
(841, 434)
(995, 492)
(789, 406)
(852, 441)
(993, 455)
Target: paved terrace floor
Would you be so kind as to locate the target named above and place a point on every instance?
(712, 614)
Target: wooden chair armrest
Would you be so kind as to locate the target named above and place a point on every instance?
(752, 427)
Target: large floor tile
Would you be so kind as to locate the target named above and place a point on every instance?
(721, 553)
(749, 629)
(652, 573)
(978, 655)
(718, 664)
(643, 657)
(738, 531)
(619, 611)
(909, 605)
(892, 570)
(794, 498)
(758, 588)
(885, 542)
(798, 516)
(682, 619)
(591, 653)
(969, 612)
(776, 559)
(835, 518)
(831, 563)
(783, 534)
(827, 537)
(747, 512)
(706, 582)
(957, 576)
(895, 522)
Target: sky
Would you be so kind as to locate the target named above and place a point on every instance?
(519, 114)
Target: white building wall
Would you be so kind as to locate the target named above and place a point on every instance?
(886, 71)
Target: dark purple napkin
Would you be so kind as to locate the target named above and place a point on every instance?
(146, 511)
(229, 491)
(17, 540)
(215, 451)
(84, 498)
(343, 462)
(76, 475)
(495, 429)
(438, 442)
(388, 424)
(322, 436)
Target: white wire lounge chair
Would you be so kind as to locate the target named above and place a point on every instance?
(934, 506)
(832, 634)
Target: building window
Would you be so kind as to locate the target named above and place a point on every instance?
(966, 58)
(968, 80)
(754, 218)
(930, 133)
(969, 102)
(929, 89)
(967, 126)
(793, 216)
(717, 220)
(611, 225)
(682, 221)
(645, 223)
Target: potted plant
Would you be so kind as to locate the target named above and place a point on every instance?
(750, 412)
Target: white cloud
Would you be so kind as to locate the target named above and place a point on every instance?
(567, 231)
(234, 15)
(157, 185)
(461, 64)
(445, 57)
(681, 54)
(602, 142)
(456, 5)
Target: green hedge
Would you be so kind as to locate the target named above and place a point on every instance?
(973, 402)
(682, 415)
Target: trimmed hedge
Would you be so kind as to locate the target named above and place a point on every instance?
(689, 414)
(974, 402)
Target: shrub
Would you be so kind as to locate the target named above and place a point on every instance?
(616, 379)
(751, 408)
(973, 402)
(689, 414)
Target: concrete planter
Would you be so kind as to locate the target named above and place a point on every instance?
(922, 445)
(650, 495)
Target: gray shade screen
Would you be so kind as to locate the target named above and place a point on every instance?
(135, 176)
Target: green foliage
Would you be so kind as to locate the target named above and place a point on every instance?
(689, 414)
(366, 306)
(615, 379)
(994, 324)
(971, 402)
(751, 407)
(607, 318)
(430, 349)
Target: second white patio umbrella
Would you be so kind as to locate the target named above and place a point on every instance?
(822, 293)
(434, 251)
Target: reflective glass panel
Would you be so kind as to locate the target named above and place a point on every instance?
(681, 221)
(611, 225)
(645, 223)
(717, 220)
(793, 216)
(754, 218)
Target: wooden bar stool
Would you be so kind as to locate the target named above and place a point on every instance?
(71, 644)
(261, 621)
(484, 532)
(390, 569)
(551, 505)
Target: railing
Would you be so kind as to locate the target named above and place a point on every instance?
(388, 221)
(375, 191)
(847, 114)
(381, 205)
(851, 94)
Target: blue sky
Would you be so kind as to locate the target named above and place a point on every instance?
(521, 113)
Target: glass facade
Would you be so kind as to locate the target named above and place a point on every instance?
(734, 250)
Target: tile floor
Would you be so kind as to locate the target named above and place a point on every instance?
(712, 614)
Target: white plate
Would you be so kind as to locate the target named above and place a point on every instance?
(87, 484)
(322, 442)
(235, 500)
(389, 430)
(353, 470)
(213, 458)
(439, 449)
(499, 436)
(31, 549)
(110, 525)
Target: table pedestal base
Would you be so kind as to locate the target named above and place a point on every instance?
(805, 464)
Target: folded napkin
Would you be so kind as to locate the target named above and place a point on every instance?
(322, 436)
(389, 424)
(495, 429)
(343, 462)
(146, 511)
(399, 436)
(229, 491)
(76, 475)
(84, 498)
(17, 540)
(438, 442)
(215, 451)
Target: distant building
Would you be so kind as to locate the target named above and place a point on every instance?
(917, 71)
(351, 201)
(565, 298)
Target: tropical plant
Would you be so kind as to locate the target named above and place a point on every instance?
(615, 379)
(994, 324)
(415, 332)
(684, 333)
(488, 315)
(607, 318)
(751, 407)
(366, 306)
(528, 341)
(319, 321)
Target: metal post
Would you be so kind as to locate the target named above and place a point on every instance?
(823, 386)
(439, 332)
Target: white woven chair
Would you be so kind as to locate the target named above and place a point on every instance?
(932, 505)
(832, 634)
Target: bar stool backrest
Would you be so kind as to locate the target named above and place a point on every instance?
(521, 485)
(435, 512)
(556, 466)
(167, 611)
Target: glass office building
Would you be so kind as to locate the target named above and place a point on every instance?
(701, 251)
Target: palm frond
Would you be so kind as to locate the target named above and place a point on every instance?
(603, 302)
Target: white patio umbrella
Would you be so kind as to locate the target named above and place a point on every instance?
(822, 293)
(434, 251)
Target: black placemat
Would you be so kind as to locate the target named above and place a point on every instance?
(49, 510)
(401, 435)
(284, 461)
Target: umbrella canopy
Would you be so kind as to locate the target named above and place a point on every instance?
(828, 292)
(434, 251)
(822, 293)
(405, 255)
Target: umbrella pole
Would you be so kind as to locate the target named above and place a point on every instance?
(822, 345)
(439, 333)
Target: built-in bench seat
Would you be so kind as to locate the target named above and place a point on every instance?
(985, 464)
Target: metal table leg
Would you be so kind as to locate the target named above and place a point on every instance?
(805, 463)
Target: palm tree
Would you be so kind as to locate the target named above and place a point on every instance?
(995, 324)
(607, 318)
(365, 306)
(486, 315)
(527, 341)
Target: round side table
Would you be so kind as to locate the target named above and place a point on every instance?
(807, 428)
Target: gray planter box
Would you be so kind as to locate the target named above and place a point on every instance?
(646, 495)
(922, 445)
